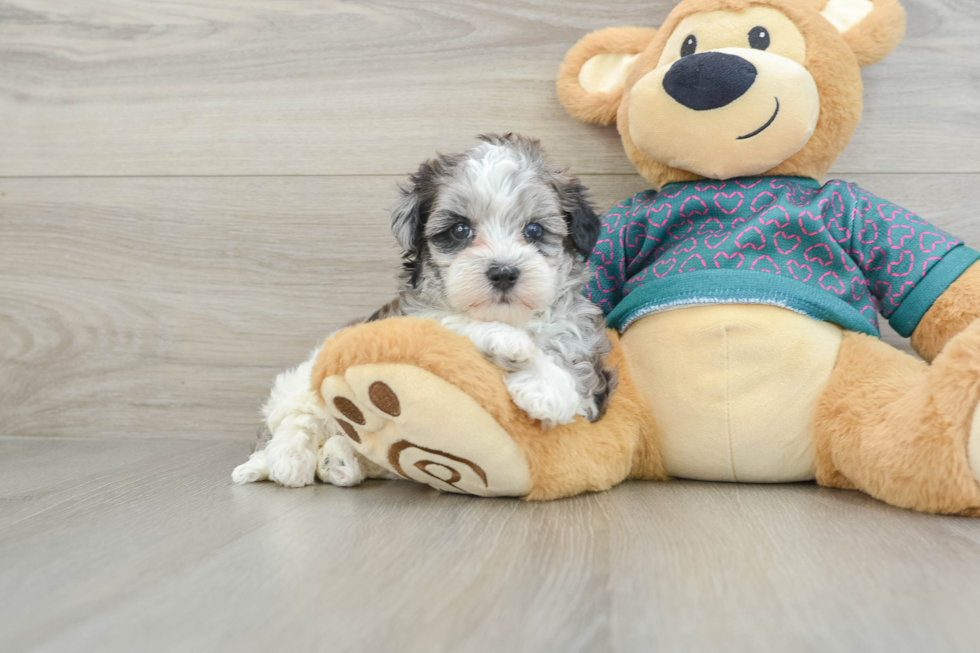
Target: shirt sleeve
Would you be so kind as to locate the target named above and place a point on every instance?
(607, 265)
(907, 262)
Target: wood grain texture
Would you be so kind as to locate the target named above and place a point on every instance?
(210, 87)
(163, 307)
(147, 546)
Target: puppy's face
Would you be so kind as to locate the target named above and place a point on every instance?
(501, 229)
(497, 233)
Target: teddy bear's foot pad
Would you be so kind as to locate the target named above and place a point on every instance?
(425, 429)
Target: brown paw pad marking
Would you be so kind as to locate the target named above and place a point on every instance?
(349, 430)
(349, 410)
(385, 398)
(448, 462)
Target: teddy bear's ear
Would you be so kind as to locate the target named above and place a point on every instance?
(593, 75)
(873, 28)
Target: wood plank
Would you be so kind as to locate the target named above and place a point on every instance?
(164, 307)
(335, 87)
(161, 553)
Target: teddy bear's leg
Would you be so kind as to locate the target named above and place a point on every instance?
(899, 429)
(424, 404)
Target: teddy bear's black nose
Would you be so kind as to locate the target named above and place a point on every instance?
(709, 80)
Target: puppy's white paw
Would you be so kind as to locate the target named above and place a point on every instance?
(252, 471)
(549, 398)
(512, 352)
(338, 463)
(506, 346)
(291, 466)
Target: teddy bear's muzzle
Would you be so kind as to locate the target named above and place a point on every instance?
(724, 113)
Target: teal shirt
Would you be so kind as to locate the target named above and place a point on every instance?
(836, 253)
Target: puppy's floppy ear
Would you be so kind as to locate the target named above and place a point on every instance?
(411, 210)
(592, 78)
(872, 28)
(583, 223)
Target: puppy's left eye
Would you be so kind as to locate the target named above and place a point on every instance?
(461, 231)
(759, 38)
(533, 231)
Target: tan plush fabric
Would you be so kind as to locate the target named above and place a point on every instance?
(689, 140)
(955, 310)
(423, 442)
(845, 14)
(598, 107)
(877, 36)
(563, 461)
(605, 73)
(896, 428)
(732, 388)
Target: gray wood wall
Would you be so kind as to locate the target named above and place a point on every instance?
(192, 194)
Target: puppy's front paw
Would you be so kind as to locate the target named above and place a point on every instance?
(549, 398)
(505, 346)
(338, 463)
(291, 466)
(511, 352)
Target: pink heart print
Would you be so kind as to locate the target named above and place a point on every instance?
(694, 206)
(795, 269)
(693, 262)
(711, 226)
(751, 237)
(729, 257)
(830, 281)
(835, 238)
(819, 253)
(715, 241)
(786, 244)
(741, 200)
(776, 216)
(765, 264)
(928, 241)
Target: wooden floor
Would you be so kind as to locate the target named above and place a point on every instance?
(144, 546)
(193, 193)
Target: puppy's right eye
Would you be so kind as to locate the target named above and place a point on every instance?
(461, 231)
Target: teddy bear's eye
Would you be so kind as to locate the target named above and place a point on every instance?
(690, 46)
(759, 38)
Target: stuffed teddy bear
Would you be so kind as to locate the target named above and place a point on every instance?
(743, 293)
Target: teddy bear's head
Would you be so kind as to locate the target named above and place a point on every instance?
(732, 88)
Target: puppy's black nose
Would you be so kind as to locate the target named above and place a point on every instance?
(709, 80)
(503, 278)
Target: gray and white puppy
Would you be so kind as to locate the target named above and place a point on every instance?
(495, 241)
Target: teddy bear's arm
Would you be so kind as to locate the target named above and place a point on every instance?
(921, 276)
(953, 311)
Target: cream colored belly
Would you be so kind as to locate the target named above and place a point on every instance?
(732, 388)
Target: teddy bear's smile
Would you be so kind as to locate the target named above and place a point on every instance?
(764, 127)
